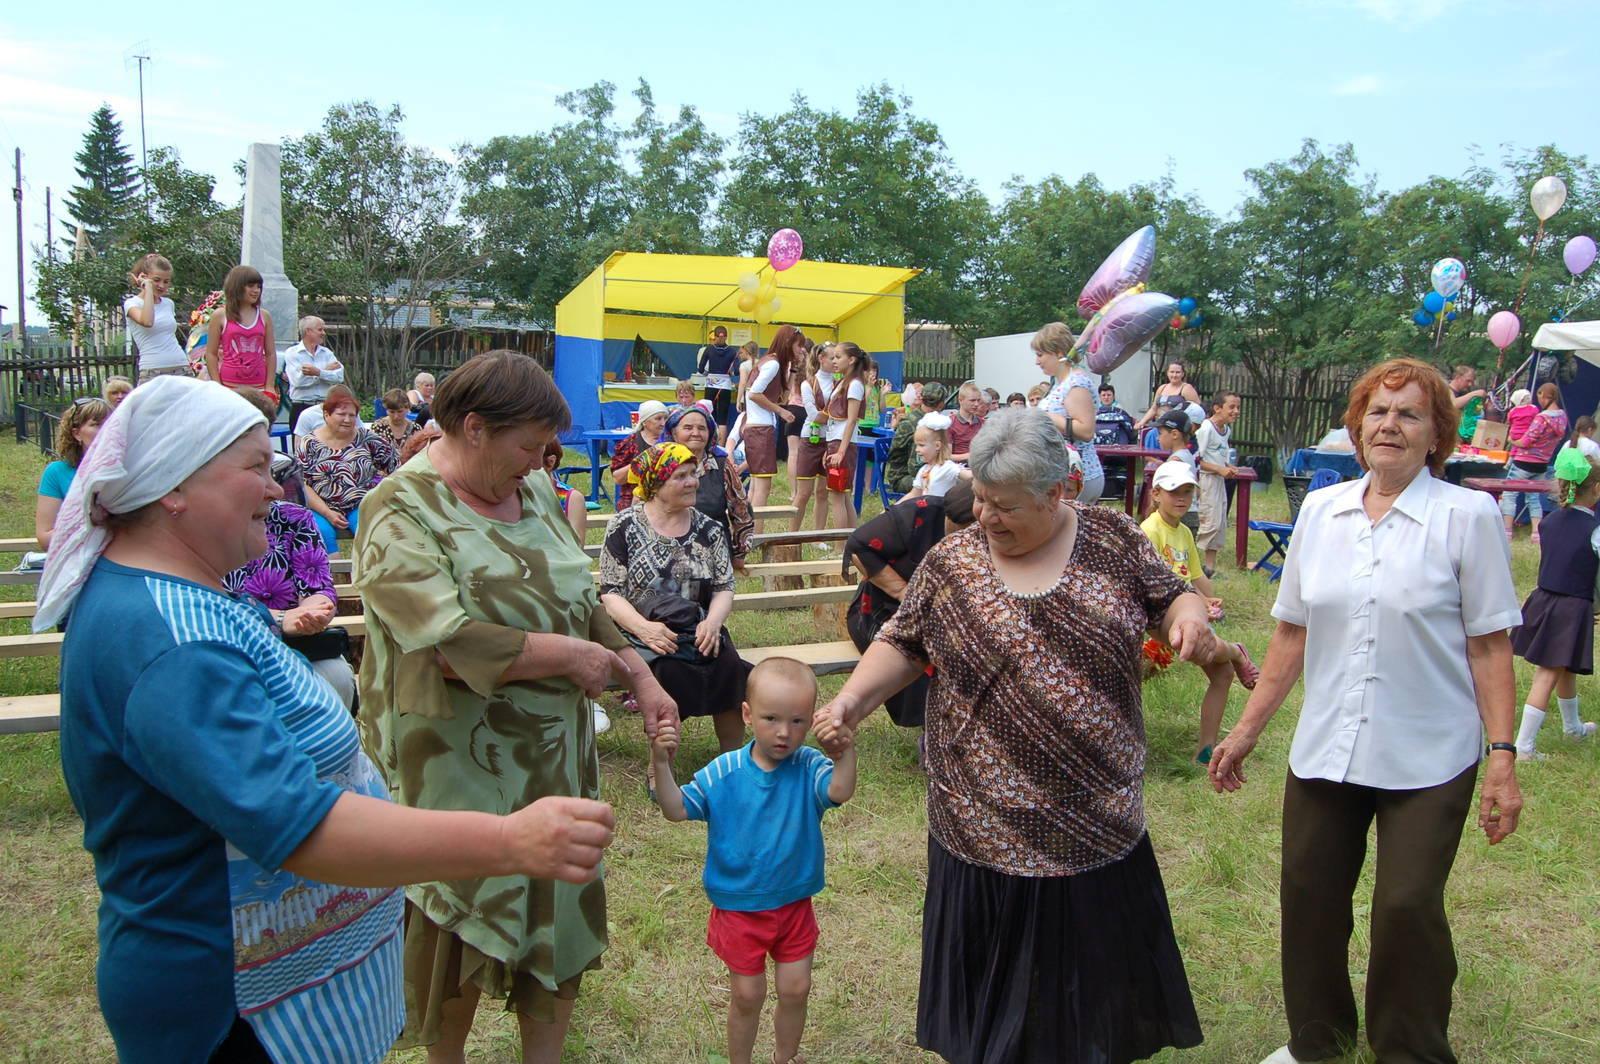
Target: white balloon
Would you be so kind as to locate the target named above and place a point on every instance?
(1547, 196)
(776, 304)
(749, 282)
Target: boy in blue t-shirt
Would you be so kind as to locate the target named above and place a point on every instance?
(763, 806)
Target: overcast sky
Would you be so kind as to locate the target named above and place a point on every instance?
(1124, 90)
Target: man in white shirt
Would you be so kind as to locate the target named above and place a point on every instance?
(310, 367)
(1211, 443)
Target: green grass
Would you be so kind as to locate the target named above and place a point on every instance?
(1526, 914)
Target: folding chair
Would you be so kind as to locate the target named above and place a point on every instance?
(880, 463)
(1278, 533)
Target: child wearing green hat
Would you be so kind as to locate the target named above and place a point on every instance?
(1557, 630)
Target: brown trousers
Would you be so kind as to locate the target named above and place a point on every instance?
(1413, 963)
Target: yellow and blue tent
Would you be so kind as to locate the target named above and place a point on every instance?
(672, 302)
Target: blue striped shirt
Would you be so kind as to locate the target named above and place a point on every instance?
(201, 752)
(764, 829)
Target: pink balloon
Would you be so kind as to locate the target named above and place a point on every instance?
(1127, 327)
(785, 249)
(1503, 329)
(1125, 267)
(1579, 254)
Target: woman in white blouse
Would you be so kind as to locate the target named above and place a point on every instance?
(1395, 602)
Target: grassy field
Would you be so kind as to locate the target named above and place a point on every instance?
(1526, 914)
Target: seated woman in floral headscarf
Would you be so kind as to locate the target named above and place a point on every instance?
(666, 578)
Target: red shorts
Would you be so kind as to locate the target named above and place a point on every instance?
(761, 450)
(743, 940)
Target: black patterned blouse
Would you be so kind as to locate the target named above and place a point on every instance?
(1035, 727)
(637, 560)
(343, 477)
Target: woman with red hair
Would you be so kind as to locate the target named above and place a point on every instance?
(342, 462)
(1396, 603)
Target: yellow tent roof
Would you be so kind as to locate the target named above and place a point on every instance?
(707, 286)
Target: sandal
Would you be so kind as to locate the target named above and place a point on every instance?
(1246, 670)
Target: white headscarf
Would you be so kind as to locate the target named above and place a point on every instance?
(155, 440)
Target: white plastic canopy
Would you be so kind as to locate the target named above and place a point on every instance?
(1582, 338)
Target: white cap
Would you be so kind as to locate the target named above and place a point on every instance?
(1173, 475)
(650, 408)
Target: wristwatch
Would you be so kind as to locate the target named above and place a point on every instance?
(1508, 747)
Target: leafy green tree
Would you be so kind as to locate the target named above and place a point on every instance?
(549, 207)
(1297, 307)
(109, 195)
(372, 235)
(1051, 236)
(184, 223)
(876, 187)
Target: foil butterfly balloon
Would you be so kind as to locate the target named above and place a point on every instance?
(1123, 317)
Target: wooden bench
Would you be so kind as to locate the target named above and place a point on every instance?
(760, 513)
(42, 713)
(48, 644)
(18, 546)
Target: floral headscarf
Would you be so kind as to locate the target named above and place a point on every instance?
(655, 467)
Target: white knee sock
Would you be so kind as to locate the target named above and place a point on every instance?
(1569, 715)
(1532, 721)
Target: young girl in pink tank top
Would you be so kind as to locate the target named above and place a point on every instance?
(240, 354)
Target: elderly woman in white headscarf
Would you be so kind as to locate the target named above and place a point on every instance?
(245, 848)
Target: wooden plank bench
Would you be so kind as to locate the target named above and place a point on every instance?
(824, 567)
(48, 644)
(42, 713)
(21, 545)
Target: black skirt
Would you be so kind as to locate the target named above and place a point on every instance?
(704, 687)
(1018, 970)
(1557, 632)
(870, 610)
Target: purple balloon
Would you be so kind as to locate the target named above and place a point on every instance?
(1131, 324)
(1125, 267)
(1579, 254)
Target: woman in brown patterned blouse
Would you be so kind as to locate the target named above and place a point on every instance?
(1046, 934)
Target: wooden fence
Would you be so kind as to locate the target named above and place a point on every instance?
(1313, 413)
(52, 374)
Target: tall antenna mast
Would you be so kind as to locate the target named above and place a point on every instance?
(144, 152)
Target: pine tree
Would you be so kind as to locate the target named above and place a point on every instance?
(110, 189)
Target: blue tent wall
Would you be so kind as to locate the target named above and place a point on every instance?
(577, 375)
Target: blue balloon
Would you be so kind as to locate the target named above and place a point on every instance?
(1433, 302)
(1450, 316)
(1186, 306)
(1422, 317)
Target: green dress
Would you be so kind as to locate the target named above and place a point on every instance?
(436, 575)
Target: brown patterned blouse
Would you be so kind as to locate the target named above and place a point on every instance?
(1035, 728)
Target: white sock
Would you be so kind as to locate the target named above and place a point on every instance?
(1569, 715)
(1532, 721)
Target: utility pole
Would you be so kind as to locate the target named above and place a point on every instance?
(22, 291)
(49, 229)
(144, 153)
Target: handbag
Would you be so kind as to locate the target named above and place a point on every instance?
(331, 642)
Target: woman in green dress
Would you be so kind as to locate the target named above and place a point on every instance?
(485, 642)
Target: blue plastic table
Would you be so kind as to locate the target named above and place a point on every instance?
(1309, 460)
(597, 440)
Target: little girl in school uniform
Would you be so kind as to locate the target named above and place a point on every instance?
(1557, 631)
(240, 353)
(938, 473)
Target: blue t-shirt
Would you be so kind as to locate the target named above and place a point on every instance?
(764, 829)
(200, 752)
(56, 479)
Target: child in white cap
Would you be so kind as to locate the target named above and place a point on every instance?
(1173, 491)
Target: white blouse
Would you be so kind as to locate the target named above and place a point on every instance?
(1387, 608)
(936, 480)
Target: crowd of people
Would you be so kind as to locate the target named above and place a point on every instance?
(311, 884)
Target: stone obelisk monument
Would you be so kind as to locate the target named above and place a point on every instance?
(263, 241)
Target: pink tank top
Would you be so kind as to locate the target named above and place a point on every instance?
(243, 353)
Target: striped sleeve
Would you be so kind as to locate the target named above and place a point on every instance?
(697, 793)
(820, 769)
